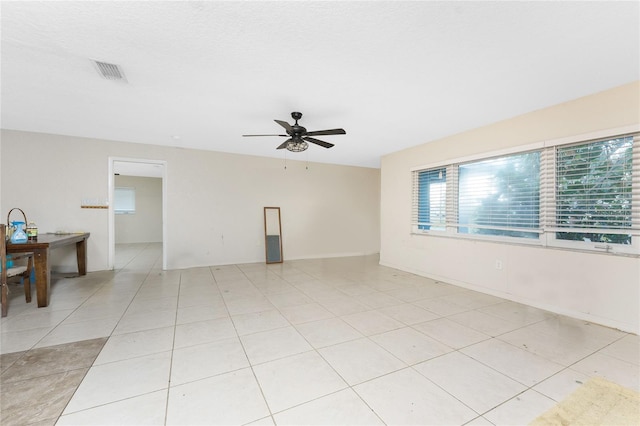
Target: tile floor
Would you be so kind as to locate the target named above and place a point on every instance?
(323, 341)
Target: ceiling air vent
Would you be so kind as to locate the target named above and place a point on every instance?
(109, 71)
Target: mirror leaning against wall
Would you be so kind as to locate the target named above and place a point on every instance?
(273, 235)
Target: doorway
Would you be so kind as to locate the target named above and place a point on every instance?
(130, 173)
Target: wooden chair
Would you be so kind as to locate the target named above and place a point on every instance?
(24, 272)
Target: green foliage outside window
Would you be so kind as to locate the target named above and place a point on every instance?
(594, 190)
(502, 196)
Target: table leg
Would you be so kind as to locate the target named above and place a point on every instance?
(43, 276)
(81, 254)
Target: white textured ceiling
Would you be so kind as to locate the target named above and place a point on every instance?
(392, 74)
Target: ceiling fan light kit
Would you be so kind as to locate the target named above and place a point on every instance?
(297, 146)
(299, 136)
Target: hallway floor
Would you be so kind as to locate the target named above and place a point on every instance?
(321, 341)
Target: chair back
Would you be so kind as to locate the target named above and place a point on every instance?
(3, 266)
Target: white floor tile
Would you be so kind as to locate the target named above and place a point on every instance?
(36, 318)
(379, 300)
(441, 306)
(561, 385)
(479, 421)
(473, 383)
(297, 379)
(518, 364)
(291, 298)
(327, 332)
(77, 331)
(565, 351)
(484, 323)
(582, 332)
(472, 299)
(408, 398)
(132, 345)
(521, 410)
(246, 305)
(266, 421)
(345, 306)
(198, 362)
(120, 380)
(274, 344)
(259, 321)
(145, 321)
(410, 345)
(201, 313)
(517, 313)
(141, 305)
(613, 369)
(626, 349)
(178, 346)
(148, 409)
(17, 341)
(409, 314)
(229, 399)
(197, 333)
(305, 313)
(340, 408)
(451, 333)
(360, 360)
(372, 322)
(94, 311)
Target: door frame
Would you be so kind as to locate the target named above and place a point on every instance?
(112, 231)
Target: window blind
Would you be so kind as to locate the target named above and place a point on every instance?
(124, 200)
(597, 191)
(429, 199)
(500, 196)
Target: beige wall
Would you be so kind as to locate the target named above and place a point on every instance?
(596, 286)
(145, 226)
(214, 200)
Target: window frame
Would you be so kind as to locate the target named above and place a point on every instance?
(119, 193)
(547, 195)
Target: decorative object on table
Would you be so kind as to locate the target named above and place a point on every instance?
(298, 135)
(32, 231)
(17, 228)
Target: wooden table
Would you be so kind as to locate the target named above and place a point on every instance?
(41, 248)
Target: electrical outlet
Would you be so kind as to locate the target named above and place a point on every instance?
(499, 264)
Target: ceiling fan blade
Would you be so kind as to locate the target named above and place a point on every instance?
(284, 144)
(318, 142)
(284, 124)
(327, 132)
(263, 135)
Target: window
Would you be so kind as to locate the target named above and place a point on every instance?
(500, 196)
(430, 198)
(124, 200)
(594, 191)
(583, 195)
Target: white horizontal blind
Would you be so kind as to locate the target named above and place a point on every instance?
(597, 192)
(452, 198)
(500, 196)
(124, 200)
(429, 199)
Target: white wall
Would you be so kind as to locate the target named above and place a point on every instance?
(600, 287)
(145, 225)
(214, 200)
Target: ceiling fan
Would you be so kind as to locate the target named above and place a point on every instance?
(298, 135)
